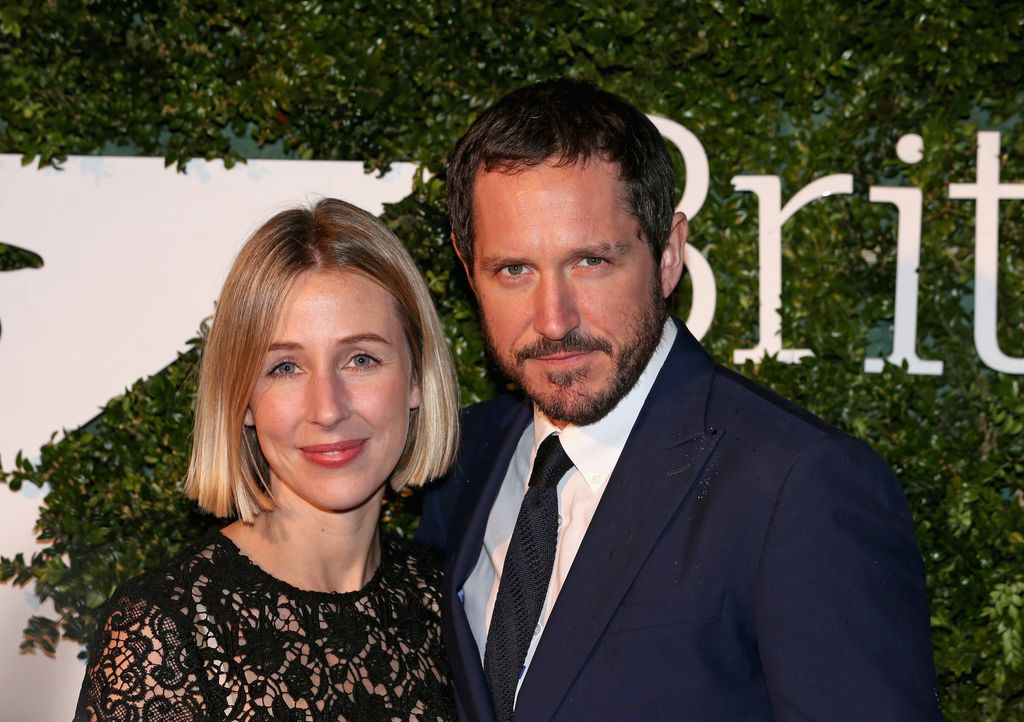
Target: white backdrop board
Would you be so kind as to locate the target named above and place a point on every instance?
(134, 254)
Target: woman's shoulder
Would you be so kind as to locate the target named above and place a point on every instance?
(411, 558)
(177, 578)
(158, 606)
(144, 634)
(409, 564)
(166, 600)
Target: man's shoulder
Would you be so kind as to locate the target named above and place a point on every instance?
(731, 387)
(499, 406)
(694, 384)
(485, 426)
(487, 420)
(775, 432)
(743, 406)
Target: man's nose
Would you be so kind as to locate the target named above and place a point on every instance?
(326, 402)
(555, 311)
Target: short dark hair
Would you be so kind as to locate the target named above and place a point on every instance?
(570, 121)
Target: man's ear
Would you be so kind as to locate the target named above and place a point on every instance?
(469, 271)
(671, 266)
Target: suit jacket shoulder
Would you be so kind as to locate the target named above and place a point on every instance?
(484, 426)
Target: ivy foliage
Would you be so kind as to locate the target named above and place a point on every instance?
(796, 89)
(13, 258)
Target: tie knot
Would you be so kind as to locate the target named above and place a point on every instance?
(551, 462)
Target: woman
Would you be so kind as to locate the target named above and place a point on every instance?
(324, 377)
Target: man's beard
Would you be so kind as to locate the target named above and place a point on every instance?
(569, 403)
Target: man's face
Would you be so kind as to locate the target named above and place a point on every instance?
(572, 301)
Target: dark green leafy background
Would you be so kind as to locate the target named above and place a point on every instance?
(795, 89)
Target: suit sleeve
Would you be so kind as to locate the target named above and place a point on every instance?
(442, 495)
(841, 612)
(483, 426)
(433, 528)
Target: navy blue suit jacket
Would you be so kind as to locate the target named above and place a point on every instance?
(746, 562)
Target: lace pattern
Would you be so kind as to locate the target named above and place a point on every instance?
(211, 636)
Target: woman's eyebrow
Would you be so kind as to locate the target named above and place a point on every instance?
(284, 346)
(354, 338)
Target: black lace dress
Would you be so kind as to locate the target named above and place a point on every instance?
(211, 636)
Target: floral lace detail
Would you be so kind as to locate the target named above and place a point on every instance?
(211, 636)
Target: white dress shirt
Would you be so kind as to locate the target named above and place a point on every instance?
(594, 450)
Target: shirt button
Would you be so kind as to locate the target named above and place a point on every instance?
(537, 629)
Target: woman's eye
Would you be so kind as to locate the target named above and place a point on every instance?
(363, 360)
(284, 368)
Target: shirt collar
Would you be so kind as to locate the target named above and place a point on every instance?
(595, 449)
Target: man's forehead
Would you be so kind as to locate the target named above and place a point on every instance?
(595, 175)
(513, 166)
(584, 188)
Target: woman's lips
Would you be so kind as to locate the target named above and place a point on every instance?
(335, 454)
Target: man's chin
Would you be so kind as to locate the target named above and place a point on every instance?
(576, 404)
(569, 385)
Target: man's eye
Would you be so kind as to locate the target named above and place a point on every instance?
(591, 261)
(516, 269)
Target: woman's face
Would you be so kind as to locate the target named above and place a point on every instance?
(331, 405)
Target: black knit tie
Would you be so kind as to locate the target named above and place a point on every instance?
(525, 577)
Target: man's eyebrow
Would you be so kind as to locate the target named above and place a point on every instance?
(603, 249)
(615, 249)
(492, 263)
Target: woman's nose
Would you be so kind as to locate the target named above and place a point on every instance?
(326, 403)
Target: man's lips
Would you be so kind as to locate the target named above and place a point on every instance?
(333, 455)
(565, 357)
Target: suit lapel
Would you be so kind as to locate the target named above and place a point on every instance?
(479, 509)
(463, 653)
(665, 453)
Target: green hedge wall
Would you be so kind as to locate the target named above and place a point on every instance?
(796, 89)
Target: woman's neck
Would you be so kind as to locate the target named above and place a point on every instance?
(313, 549)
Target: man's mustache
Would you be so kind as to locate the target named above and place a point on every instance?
(573, 342)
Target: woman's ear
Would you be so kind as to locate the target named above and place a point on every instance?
(415, 396)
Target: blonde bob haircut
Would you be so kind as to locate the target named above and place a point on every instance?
(228, 474)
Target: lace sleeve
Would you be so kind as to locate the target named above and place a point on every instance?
(144, 667)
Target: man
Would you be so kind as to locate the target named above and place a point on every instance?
(706, 550)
